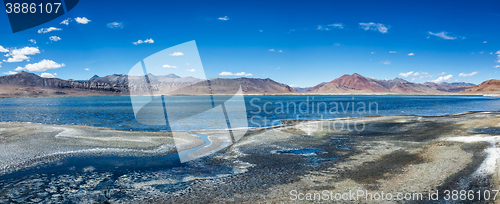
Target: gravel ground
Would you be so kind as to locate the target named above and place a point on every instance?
(390, 154)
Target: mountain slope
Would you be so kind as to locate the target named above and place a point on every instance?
(357, 84)
(231, 86)
(154, 79)
(30, 79)
(350, 84)
(491, 86)
(29, 84)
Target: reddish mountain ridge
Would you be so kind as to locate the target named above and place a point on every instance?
(357, 84)
(491, 86)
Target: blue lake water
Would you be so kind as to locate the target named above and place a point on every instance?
(116, 111)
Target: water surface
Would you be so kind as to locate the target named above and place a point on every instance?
(116, 111)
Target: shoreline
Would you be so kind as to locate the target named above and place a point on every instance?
(264, 94)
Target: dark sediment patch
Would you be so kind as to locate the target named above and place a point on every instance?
(491, 130)
(384, 168)
(408, 131)
(464, 180)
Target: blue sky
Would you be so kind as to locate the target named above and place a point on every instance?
(319, 40)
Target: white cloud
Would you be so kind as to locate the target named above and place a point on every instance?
(17, 58)
(443, 79)
(374, 26)
(337, 25)
(25, 51)
(373, 53)
(87, 69)
(261, 31)
(320, 27)
(187, 64)
(327, 27)
(497, 66)
(10, 73)
(115, 25)
(2, 49)
(33, 41)
(485, 42)
(235, 74)
(19, 55)
(19, 69)
(420, 73)
(54, 38)
(386, 62)
(442, 73)
(168, 66)
(467, 75)
(176, 54)
(411, 54)
(412, 73)
(280, 50)
(191, 70)
(66, 21)
(226, 74)
(243, 74)
(392, 52)
(498, 56)
(41, 66)
(83, 20)
(225, 18)
(47, 30)
(406, 75)
(272, 50)
(150, 40)
(47, 75)
(445, 36)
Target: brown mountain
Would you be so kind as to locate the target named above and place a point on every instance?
(164, 79)
(223, 86)
(29, 84)
(357, 84)
(491, 86)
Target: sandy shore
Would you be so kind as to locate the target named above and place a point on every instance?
(391, 154)
(26, 144)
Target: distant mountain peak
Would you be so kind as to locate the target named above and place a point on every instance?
(356, 75)
(94, 77)
(173, 76)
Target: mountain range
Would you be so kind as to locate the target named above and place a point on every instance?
(357, 84)
(28, 84)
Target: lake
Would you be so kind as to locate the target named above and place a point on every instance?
(116, 112)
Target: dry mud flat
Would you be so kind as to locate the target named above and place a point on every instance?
(390, 154)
